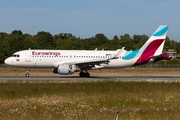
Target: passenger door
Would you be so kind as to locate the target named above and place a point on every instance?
(28, 56)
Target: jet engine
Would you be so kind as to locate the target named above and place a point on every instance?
(64, 69)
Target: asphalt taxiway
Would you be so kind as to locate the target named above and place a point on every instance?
(93, 77)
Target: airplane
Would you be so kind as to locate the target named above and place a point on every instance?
(67, 62)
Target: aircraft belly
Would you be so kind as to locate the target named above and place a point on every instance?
(120, 63)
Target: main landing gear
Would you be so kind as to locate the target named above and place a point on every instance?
(27, 72)
(82, 74)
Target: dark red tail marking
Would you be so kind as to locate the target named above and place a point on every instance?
(149, 51)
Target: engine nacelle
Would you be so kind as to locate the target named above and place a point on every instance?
(64, 69)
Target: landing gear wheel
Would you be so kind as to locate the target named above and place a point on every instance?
(82, 74)
(27, 74)
(86, 75)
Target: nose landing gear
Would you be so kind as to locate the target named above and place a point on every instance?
(27, 72)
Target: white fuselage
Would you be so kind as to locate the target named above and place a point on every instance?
(51, 58)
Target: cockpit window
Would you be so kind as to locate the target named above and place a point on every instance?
(15, 55)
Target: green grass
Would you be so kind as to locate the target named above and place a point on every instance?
(89, 100)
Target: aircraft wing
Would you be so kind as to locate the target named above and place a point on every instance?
(92, 61)
(85, 63)
(81, 62)
(99, 61)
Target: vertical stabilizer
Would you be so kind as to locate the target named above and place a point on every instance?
(153, 46)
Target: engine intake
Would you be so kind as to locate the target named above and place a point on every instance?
(64, 69)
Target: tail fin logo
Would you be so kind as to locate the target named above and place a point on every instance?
(161, 30)
(153, 46)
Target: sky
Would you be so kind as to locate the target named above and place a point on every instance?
(85, 19)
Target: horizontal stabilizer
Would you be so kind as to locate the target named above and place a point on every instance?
(159, 56)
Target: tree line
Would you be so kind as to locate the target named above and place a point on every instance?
(16, 41)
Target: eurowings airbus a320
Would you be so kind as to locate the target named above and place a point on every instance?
(69, 61)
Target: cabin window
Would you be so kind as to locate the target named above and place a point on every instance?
(14, 55)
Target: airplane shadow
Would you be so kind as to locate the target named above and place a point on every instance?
(91, 77)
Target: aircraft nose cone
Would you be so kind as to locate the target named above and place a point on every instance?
(7, 61)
